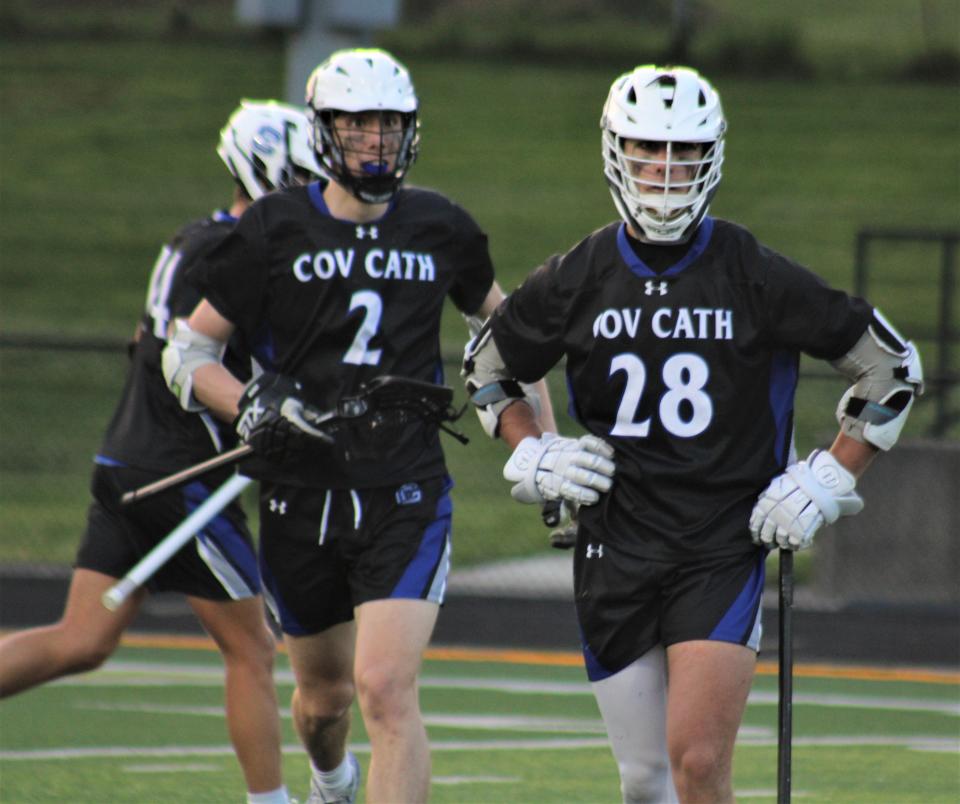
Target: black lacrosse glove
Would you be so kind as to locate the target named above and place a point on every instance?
(273, 418)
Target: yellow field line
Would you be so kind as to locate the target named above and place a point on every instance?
(572, 659)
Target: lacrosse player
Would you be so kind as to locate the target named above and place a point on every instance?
(265, 146)
(335, 285)
(682, 336)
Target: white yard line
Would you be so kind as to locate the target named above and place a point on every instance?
(452, 780)
(150, 674)
(948, 745)
(126, 674)
(171, 767)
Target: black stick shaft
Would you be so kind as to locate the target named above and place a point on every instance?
(168, 482)
(785, 708)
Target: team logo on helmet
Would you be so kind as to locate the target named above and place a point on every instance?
(266, 146)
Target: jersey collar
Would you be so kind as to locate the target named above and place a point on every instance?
(222, 216)
(640, 268)
(315, 190)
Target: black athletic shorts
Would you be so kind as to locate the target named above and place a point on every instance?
(220, 564)
(626, 604)
(325, 551)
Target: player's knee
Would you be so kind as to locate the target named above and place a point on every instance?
(265, 646)
(324, 702)
(700, 768)
(83, 656)
(645, 782)
(255, 649)
(384, 693)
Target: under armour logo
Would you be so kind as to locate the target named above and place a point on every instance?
(278, 507)
(594, 551)
(367, 231)
(652, 287)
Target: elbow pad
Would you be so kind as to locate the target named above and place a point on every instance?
(887, 376)
(184, 353)
(489, 385)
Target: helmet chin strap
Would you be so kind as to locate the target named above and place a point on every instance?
(374, 189)
(679, 239)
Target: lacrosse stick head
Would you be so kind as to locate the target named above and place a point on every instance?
(389, 423)
(390, 415)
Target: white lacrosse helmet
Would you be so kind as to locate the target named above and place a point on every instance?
(663, 105)
(363, 80)
(266, 146)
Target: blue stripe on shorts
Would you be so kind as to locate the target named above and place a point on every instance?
(224, 549)
(426, 575)
(741, 623)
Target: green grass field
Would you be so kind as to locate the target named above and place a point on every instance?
(502, 726)
(108, 133)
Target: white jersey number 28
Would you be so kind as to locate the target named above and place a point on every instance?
(685, 409)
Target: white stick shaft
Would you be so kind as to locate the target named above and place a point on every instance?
(138, 575)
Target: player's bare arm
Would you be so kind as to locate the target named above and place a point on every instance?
(887, 376)
(541, 415)
(192, 367)
(855, 456)
(214, 386)
(517, 422)
(544, 466)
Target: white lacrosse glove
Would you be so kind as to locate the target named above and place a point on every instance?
(797, 503)
(556, 468)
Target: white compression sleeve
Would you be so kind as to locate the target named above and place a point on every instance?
(633, 704)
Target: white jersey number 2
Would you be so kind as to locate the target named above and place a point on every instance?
(360, 353)
(685, 409)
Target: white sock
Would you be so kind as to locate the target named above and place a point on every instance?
(278, 796)
(337, 779)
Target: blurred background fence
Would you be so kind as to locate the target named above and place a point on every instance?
(843, 152)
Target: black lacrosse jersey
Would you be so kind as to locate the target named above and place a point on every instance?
(149, 430)
(685, 359)
(335, 304)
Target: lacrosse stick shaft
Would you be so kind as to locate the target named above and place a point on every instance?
(114, 597)
(168, 482)
(785, 708)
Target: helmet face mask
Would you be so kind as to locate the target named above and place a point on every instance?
(265, 146)
(662, 135)
(365, 126)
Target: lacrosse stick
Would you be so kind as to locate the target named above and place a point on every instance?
(114, 597)
(184, 475)
(785, 708)
(429, 402)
